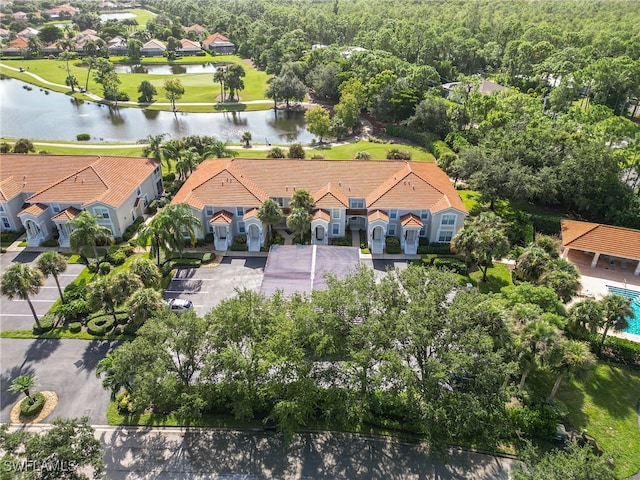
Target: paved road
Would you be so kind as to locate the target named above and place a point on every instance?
(206, 287)
(64, 366)
(15, 314)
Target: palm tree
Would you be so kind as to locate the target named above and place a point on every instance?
(109, 292)
(573, 357)
(299, 221)
(144, 304)
(23, 384)
(115, 379)
(532, 263)
(146, 271)
(218, 149)
(246, 138)
(87, 232)
(269, 214)
(220, 77)
(52, 263)
(167, 230)
(617, 309)
(20, 280)
(154, 146)
(538, 339)
(585, 316)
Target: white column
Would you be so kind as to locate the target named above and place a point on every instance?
(637, 270)
(594, 262)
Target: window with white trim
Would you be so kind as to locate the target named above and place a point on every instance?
(423, 231)
(393, 214)
(424, 215)
(335, 228)
(279, 201)
(448, 220)
(241, 228)
(356, 203)
(5, 223)
(156, 172)
(240, 211)
(101, 212)
(392, 230)
(208, 211)
(445, 236)
(335, 213)
(138, 191)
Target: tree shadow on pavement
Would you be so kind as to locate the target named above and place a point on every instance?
(8, 399)
(40, 349)
(96, 350)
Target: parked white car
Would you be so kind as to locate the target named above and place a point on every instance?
(179, 305)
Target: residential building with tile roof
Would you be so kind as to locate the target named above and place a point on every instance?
(43, 200)
(218, 44)
(409, 200)
(618, 244)
(153, 48)
(188, 47)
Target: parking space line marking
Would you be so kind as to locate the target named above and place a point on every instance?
(16, 315)
(187, 292)
(33, 300)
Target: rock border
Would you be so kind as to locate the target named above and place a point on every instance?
(51, 401)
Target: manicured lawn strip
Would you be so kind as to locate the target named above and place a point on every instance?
(61, 332)
(470, 198)
(101, 150)
(498, 277)
(142, 15)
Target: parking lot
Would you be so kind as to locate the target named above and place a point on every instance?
(206, 287)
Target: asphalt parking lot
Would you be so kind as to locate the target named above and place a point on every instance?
(206, 287)
(15, 314)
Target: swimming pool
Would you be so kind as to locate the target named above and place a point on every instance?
(634, 323)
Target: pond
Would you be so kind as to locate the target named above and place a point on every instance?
(115, 16)
(44, 115)
(164, 69)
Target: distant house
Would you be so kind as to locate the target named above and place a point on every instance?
(618, 247)
(84, 34)
(44, 200)
(83, 39)
(218, 44)
(407, 200)
(61, 11)
(15, 47)
(19, 15)
(4, 33)
(153, 48)
(117, 46)
(486, 87)
(27, 33)
(52, 49)
(195, 28)
(188, 47)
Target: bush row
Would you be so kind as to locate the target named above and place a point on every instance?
(618, 350)
(99, 326)
(46, 324)
(131, 230)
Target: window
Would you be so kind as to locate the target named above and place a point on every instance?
(356, 203)
(448, 220)
(156, 172)
(424, 215)
(279, 201)
(241, 228)
(423, 231)
(445, 237)
(392, 231)
(55, 207)
(335, 213)
(101, 212)
(145, 201)
(1, 208)
(335, 229)
(138, 191)
(393, 214)
(208, 211)
(211, 228)
(5, 223)
(240, 211)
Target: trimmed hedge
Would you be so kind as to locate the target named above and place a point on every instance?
(452, 264)
(618, 350)
(75, 327)
(46, 324)
(32, 407)
(423, 139)
(239, 247)
(392, 245)
(436, 248)
(440, 148)
(99, 326)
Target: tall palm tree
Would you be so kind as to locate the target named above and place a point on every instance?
(585, 316)
(21, 281)
(572, 357)
(24, 384)
(87, 232)
(52, 263)
(538, 339)
(532, 263)
(246, 138)
(299, 221)
(144, 304)
(617, 309)
(269, 214)
(146, 271)
(220, 77)
(115, 379)
(218, 149)
(154, 146)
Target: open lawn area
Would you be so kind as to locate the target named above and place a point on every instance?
(199, 87)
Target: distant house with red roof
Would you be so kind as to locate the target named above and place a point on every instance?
(218, 44)
(61, 11)
(43, 200)
(19, 15)
(16, 46)
(153, 48)
(188, 47)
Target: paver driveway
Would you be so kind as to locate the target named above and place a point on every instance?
(206, 287)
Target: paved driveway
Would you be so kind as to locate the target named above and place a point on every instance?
(64, 366)
(15, 314)
(206, 287)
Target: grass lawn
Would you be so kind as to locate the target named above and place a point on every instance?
(61, 332)
(605, 405)
(498, 276)
(199, 87)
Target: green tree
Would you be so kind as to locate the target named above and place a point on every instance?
(23, 145)
(52, 263)
(301, 198)
(246, 138)
(173, 91)
(234, 79)
(66, 56)
(34, 48)
(347, 110)
(133, 49)
(617, 310)
(116, 373)
(318, 121)
(286, 87)
(110, 84)
(220, 77)
(269, 214)
(572, 358)
(299, 221)
(87, 232)
(145, 303)
(21, 281)
(147, 91)
(585, 316)
(49, 34)
(539, 339)
(153, 147)
(146, 271)
(109, 292)
(218, 149)
(296, 151)
(23, 384)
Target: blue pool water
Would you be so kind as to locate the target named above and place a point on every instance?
(634, 323)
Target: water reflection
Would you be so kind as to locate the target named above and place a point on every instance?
(168, 69)
(33, 114)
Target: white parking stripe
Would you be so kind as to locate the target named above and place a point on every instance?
(187, 292)
(16, 315)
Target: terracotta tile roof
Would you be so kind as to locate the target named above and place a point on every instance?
(222, 217)
(411, 220)
(67, 214)
(605, 239)
(35, 209)
(19, 42)
(214, 38)
(9, 188)
(185, 43)
(328, 197)
(378, 215)
(78, 179)
(253, 213)
(320, 215)
(154, 44)
(195, 27)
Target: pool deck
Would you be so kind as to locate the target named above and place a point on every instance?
(595, 280)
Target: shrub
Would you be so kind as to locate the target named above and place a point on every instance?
(131, 230)
(393, 245)
(169, 177)
(52, 242)
(437, 248)
(239, 247)
(618, 350)
(75, 327)
(104, 268)
(30, 407)
(452, 264)
(423, 241)
(131, 328)
(5, 147)
(73, 309)
(317, 156)
(127, 249)
(423, 139)
(99, 326)
(296, 151)
(363, 156)
(539, 421)
(152, 207)
(124, 403)
(75, 291)
(23, 145)
(116, 258)
(46, 324)
(439, 148)
(398, 154)
(240, 239)
(276, 152)
(83, 137)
